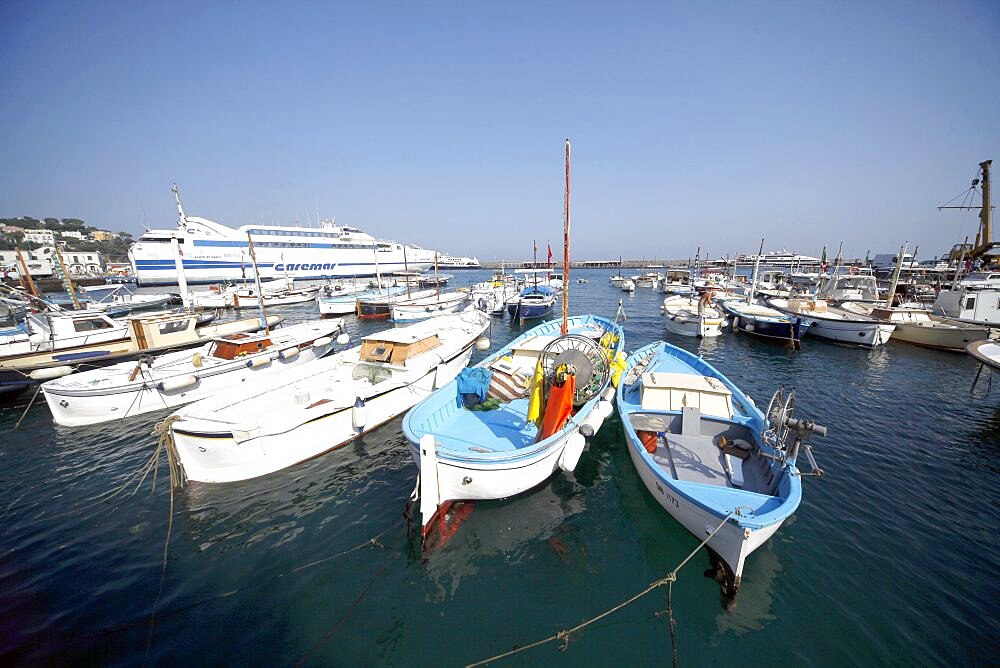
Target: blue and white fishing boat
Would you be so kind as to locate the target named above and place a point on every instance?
(765, 322)
(708, 455)
(506, 425)
(534, 301)
(468, 455)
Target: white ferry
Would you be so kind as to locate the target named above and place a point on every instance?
(212, 252)
(446, 261)
(782, 258)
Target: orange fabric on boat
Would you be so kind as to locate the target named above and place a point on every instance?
(648, 439)
(558, 407)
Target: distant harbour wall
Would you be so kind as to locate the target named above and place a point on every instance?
(628, 264)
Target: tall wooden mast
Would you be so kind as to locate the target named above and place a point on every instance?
(565, 296)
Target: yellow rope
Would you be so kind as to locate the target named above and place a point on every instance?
(564, 635)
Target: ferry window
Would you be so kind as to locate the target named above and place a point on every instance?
(91, 325)
(970, 302)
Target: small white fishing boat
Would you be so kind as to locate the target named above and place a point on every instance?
(467, 454)
(247, 297)
(252, 431)
(335, 299)
(172, 379)
(835, 324)
(692, 316)
(628, 285)
(54, 344)
(377, 304)
(920, 327)
(677, 282)
(650, 279)
(707, 454)
(491, 298)
(118, 300)
(413, 310)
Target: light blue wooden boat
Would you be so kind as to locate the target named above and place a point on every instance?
(708, 455)
(468, 455)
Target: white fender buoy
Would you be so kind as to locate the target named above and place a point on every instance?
(344, 339)
(482, 343)
(50, 373)
(177, 383)
(571, 453)
(359, 415)
(288, 353)
(749, 327)
(259, 361)
(322, 341)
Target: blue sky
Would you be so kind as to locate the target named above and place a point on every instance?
(442, 123)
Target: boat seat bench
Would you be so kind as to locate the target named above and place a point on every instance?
(693, 456)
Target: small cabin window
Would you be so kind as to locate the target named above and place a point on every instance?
(175, 326)
(970, 303)
(380, 353)
(91, 325)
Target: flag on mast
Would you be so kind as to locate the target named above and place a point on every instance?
(550, 255)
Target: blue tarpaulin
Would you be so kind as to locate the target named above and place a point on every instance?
(474, 381)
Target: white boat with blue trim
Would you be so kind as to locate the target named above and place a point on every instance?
(169, 380)
(212, 252)
(708, 455)
(464, 453)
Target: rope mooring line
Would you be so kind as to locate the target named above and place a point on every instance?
(565, 634)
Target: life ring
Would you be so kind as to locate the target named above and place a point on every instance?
(853, 270)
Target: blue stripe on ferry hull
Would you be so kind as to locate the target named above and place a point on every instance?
(163, 272)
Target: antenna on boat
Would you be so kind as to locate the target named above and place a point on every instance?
(181, 216)
(565, 299)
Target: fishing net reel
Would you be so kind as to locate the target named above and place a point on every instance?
(581, 356)
(779, 410)
(788, 434)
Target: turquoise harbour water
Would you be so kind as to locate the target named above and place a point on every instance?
(891, 559)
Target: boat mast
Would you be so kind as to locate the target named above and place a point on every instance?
(756, 266)
(895, 275)
(182, 285)
(986, 213)
(378, 274)
(534, 262)
(67, 281)
(26, 273)
(260, 293)
(406, 270)
(565, 299)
